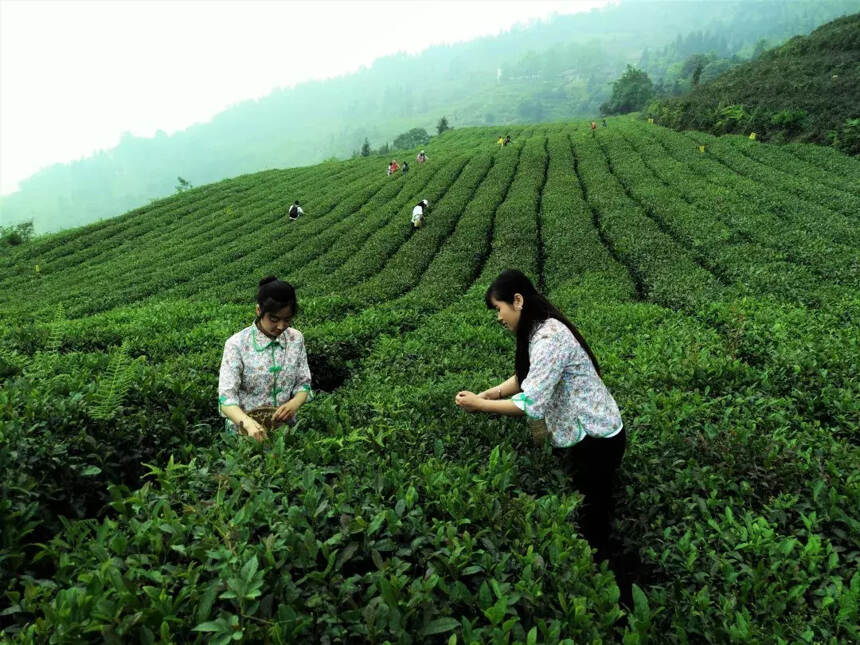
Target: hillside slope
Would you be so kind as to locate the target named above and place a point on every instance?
(806, 90)
(719, 291)
(553, 70)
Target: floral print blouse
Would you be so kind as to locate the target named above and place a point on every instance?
(257, 370)
(563, 388)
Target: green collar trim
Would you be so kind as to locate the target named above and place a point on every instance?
(255, 341)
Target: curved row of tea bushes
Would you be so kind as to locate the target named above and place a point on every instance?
(515, 226)
(245, 255)
(372, 251)
(802, 225)
(380, 219)
(834, 226)
(829, 159)
(713, 243)
(146, 269)
(387, 241)
(804, 189)
(667, 273)
(778, 157)
(370, 219)
(795, 241)
(460, 259)
(573, 251)
(152, 227)
(403, 268)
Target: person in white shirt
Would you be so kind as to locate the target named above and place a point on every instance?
(418, 212)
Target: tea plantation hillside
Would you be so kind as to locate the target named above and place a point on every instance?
(718, 288)
(806, 90)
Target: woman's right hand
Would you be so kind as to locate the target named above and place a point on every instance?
(489, 395)
(254, 429)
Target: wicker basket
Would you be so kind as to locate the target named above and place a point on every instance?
(540, 433)
(263, 416)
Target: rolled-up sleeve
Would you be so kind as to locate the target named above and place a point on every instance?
(303, 372)
(547, 358)
(229, 376)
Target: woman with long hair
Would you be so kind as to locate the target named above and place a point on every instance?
(557, 379)
(265, 364)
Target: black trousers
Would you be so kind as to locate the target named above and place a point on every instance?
(591, 464)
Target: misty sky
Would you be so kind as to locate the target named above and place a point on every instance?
(75, 75)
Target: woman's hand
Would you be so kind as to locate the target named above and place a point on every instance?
(286, 411)
(490, 395)
(469, 401)
(254, 429)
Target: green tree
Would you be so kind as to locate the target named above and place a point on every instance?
(16, 233)
(442, 126)
(693, 66)
(183, 185)
(412, 139)
(365, 148)
(630, 93)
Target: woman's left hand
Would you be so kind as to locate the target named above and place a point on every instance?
(286, 411)
(469, 401)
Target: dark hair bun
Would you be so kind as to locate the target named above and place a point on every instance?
(267, 280)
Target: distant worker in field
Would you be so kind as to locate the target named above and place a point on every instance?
(405, 168)
(264, 368)
(393, 167)
(419, 211)
(507, 140)
(422, 157)
(593, 127)
(295, 211)
(501, 141)
(557, 384)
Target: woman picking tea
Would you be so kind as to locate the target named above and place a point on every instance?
(558, 380)
(265, 364)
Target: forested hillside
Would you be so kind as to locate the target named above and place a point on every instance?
(559, 69)
(806, 90)
(719, 290)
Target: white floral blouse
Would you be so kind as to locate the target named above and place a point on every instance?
(257, 370)
(563, 388)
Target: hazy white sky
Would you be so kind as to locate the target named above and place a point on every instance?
(75, 75)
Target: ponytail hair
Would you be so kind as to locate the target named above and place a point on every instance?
(273, 295)
(536, 309)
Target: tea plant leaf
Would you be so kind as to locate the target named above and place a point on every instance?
(440, 626)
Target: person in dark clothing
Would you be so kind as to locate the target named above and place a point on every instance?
(295, 211)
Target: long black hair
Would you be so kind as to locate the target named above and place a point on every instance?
(273, 295)
(536, 309)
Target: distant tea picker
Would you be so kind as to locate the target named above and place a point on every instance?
(295, 211)
(265, 366)
(419, 211)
